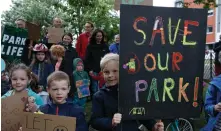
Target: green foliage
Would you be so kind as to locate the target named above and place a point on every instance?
(74, 13)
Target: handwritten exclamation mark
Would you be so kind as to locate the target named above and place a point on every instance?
(196, 88)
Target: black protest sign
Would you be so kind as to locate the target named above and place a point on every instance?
(43, 122)
(12, 43)
(161, 61)
(34, 31)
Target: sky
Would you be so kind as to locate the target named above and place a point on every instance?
(5, 5)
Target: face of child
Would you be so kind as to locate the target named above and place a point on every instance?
(58, 91)
(67, 39)
(19, 80)
(111, 73)
(79, 68)
(99, 37)
(117, 39)
(40, 56)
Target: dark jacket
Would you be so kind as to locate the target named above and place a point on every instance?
(105, 105)
(213, 97)
(67, 109)
(94, 53)
(67, 64)
(42, 70)
(24, 57)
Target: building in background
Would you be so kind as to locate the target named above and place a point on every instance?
(213, 22)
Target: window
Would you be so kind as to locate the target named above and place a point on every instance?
(209, 29)
(210, 12)
(179, 3)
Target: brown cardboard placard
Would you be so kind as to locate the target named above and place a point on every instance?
(34, 31)
(12, 110)
(55, 35)
(132, 2)
(43, 122)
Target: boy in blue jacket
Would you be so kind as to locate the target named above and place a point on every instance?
(105, 116)
(213, 105)
(58, 88)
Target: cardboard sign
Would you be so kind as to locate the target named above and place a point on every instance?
(34, 31)
(161, 62)
(131, 2)
(12, 109)
(12, 43)
(55, 35)
(42, 122)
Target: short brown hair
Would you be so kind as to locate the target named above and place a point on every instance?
(91, 23)
(57, 76)
(57, 50)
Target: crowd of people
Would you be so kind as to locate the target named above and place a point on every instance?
(56, 72)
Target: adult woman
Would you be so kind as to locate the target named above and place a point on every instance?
(96, 49)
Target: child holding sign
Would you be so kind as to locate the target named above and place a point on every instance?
(105, 114)
(20, 76)
(58, 89)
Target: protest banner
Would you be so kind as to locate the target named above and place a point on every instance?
(34, 31)
(43, 122)
(131, 2)
(12, 43)
(11, 113)
(55, 35)
(161, 62)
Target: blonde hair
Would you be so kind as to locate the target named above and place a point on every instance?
(108, 57)
(57, 76)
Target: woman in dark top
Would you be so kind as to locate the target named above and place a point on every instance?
(96, 49)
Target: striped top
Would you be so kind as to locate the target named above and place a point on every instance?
(218, 124)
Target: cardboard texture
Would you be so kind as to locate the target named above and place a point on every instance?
(161, 62)
(34, 31)
(132, 2)
(55, 35)
(43, 122)
(11, 113)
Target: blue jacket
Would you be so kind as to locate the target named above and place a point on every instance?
(38, 99)
(115, 48)
(67, 109)
(46, 69)
(105, 105)
(213, 96)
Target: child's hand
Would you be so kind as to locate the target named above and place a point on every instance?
(159, 126)
(116, 119)
(20, 129)
(217, 107)
(91, 72)
(31, 107)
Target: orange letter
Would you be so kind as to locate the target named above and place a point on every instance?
(182, 90)
(154, 62)
(177, 57)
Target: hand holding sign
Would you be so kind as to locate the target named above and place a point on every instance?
(217, 107)
(116, 119)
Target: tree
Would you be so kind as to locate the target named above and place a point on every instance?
(206, 3)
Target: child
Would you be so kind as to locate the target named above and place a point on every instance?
(58, 88)
(82, 83)
(99, 78)
(42, 67)
(105, 114)
(20, 76)
(213, 105)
